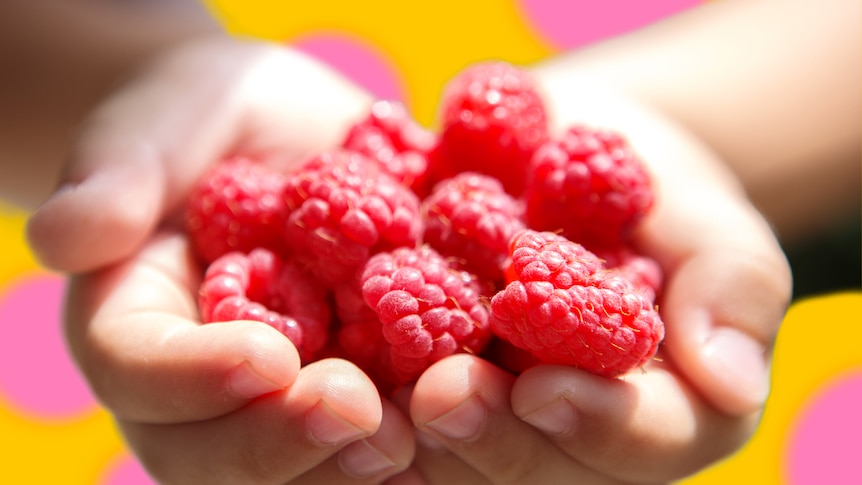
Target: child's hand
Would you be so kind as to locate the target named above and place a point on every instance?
(140, 151)
(227, 402)
(727, 287)
(219, 403)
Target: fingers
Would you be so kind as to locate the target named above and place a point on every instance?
(557, 423)
(223, 402)
(331, 407)
(134, 330)
(384, 454)
(649, 427)
(141, 150)
(728, 283)
(463, 402)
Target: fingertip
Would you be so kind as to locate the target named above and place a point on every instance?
(389, 451)
(442, 387)
(188, 372)
(245, 382)
(455, 395)
(722, 313)
(344, 390)
(99, 220)
(265, 360)
(548, 396)
(739, 364)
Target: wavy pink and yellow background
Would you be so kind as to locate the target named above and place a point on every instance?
(53, 431)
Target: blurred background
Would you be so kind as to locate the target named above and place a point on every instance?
(53, 431)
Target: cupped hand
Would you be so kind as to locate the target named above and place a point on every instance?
(223, 402)
(726, 291)
(217, 403)
(139, 151)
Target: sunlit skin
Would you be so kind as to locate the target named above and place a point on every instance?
(199, 402)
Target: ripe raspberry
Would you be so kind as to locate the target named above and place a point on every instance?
(427, 310)
(589, 185)
(360, 339)
(261, 286)
(341, 209)
(565, 308)
(391, 137)
(471, 218)
(236, 207)
(492, 121)
(643, 272)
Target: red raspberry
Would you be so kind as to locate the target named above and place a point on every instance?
(643, 272)
(493, 119)
(565, 308)
(261, 286)
(235, 208)
(341, 209)
(589, 185)
(360, 339)
(471, 218)
(427, 310)
(391, 137)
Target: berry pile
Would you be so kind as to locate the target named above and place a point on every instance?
(403, 246)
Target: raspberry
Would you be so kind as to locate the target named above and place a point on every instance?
(391, 137)
(589, 185)
(493, 119)
(565, 308)
(261, 286)
(235, 208)
(360, 339)
(643, 272)
(426, 309)
(341, 209)
(471, 218)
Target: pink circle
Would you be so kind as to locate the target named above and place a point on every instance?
(576, 23)
(127, 471)
(357, 61)
(36, 372)
(824, 444)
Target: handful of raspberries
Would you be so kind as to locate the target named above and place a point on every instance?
(404, 246)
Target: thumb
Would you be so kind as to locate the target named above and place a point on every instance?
(143, 148)
(101, 215)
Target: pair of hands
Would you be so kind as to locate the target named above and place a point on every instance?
(230, 403)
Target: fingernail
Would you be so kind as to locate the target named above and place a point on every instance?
(362, 460)
(427, 441)
(246, 383)
(327, 428)
(463, 422)
(556, 418)
(740, 362)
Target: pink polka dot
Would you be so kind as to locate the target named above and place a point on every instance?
(127, 471)
(36, 372)
(824, 444)
(578, 22)
(358, 61)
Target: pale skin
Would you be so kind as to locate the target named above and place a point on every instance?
(183, 393)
